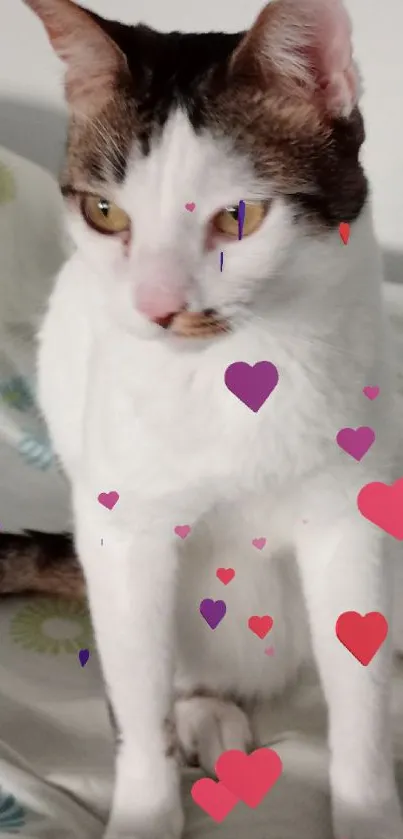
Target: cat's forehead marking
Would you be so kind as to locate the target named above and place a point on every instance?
(285, 139)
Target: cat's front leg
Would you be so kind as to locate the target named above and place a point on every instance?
(342, 565)
(130, 568)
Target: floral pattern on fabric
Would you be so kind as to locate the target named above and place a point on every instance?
(12, 815)
(52, 626)
(8, 186)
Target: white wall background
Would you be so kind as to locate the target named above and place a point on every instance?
(30, 76)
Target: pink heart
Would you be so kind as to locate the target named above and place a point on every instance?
(190, 207)
(214, 798)
(225, 575)
(182, 530)
(356, 441)
(249, 777)
(108, 499)
(371, 392)
(260, 625)
(259, 543)
(344, 230)
(269, 651)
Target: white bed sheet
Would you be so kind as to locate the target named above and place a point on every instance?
(56, 745)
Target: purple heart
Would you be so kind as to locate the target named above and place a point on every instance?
(251, 384)
(212, 611)
(83, 657)
(356, 441)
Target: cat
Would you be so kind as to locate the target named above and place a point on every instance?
(170, 283)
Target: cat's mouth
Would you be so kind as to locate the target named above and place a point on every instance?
(195, 324)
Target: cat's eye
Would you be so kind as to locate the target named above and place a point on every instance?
(240, 221)
(103, 215)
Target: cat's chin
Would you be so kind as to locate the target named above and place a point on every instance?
(198, 325)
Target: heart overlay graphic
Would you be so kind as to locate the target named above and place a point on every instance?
(371, 392)
(261, 626)
(213, 611)
(214, 798)
(259, 543)
(242, 777)
(108, 499)
(182, 530)
(383, 505)
(249, 777)
(252, 385)
(356, 441)
(190, 206)
(344, 230)
(225, 575)
(362, 635)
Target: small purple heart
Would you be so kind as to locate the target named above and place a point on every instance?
(356, 441)
(83, 657)
(252, 384)
(212, 611)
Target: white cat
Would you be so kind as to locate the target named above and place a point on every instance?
(140, 329)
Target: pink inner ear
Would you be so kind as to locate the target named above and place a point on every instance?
(91, 57)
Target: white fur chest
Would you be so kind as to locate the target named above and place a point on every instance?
(155, 417)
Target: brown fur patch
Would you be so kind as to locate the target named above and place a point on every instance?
(39, 563)
(197, 325)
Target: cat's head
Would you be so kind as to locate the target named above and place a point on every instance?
(177, 141)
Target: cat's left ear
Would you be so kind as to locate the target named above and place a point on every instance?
(93, 61)
(304, 45)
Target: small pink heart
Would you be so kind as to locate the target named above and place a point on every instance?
(269, 651)
(259, 543)
(182, 530)
(225, 575)
(108, 499)
(371, 392)
(190, 207)
(344, 230)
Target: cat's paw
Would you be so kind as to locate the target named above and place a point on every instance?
(146, 802)
(168, 826)
(206, 727)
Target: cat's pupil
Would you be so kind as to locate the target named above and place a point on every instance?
(104, 207)
(234, 212)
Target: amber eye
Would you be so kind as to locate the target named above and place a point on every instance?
(229, 221)
(103, 215)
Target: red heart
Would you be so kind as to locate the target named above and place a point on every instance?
(225, 575)
(344, 230)
(261, 626)
(383, 505)
(249, 777)
(214, 798)
(362, 635)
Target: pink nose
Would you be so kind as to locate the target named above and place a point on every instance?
(159, 307)
(161, 292)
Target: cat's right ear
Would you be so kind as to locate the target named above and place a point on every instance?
(93, 61)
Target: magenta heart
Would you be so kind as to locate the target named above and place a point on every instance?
(182, 530)
(251, 384)
(356, 441)
(259, 543)
(212, 611)
(190, 207)
(108, 499)
(371, 392)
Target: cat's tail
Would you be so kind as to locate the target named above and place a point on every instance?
(39, 563)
